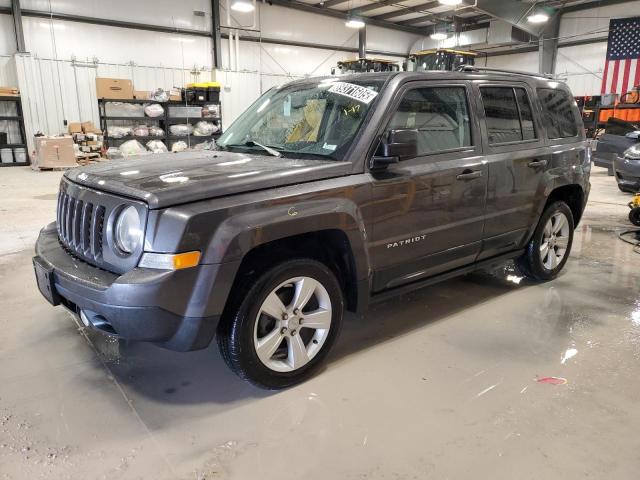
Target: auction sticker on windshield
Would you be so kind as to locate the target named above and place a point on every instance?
(355, 92)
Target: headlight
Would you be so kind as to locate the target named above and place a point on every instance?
(128, 231)
(633, 153)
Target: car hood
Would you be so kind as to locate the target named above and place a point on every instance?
(163, 180)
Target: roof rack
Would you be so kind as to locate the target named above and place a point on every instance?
(473, 68)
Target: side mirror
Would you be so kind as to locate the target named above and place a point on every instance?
(399, 145)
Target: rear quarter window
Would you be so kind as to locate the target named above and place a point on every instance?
(557, 108)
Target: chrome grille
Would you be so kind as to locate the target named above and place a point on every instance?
(80, 226)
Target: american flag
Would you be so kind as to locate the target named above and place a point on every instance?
(621, 69)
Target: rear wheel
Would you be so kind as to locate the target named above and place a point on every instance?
(281, 326)
(548, 250)
(634, 216)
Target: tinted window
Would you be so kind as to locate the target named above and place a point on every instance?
(440, 115)
(501, 113)
(526, 116)
(559, 119)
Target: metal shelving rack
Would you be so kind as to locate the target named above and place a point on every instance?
(191, 140)
(105, 121)
(164, 122)
(19, 117)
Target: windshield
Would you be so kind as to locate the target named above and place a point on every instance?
(309, 120)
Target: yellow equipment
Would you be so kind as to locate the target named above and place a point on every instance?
(440, 59)
(362, 65)
(634, 214)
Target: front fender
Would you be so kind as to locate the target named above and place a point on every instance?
(240, 233)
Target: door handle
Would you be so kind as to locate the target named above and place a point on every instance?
(469, 174)
(537, 164)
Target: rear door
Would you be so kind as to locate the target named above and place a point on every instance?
(428, 210)
(516, 159)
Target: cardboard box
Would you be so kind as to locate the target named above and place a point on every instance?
(9, 91)
(114, 88)
(75, 127)
(141, 95)
(89, 127)
(54, 152)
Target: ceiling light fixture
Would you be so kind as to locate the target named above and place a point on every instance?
(539, 17)
(450, 3)
(242, 6)
(353, 22)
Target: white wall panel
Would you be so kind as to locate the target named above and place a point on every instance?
(8, 76)
(167, 13)
(526, 62)
(53, 91)
(582, 66)
(294, 25)
(7, 38)
(114, 45)
(594, 22)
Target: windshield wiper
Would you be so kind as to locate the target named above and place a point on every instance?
(252, 143)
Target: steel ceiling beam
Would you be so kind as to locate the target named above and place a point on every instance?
(331, 3)
(404, 11)
(374, 6)
(591, 4)
(215, 34)
(305, 7)
(17, 26)
(437, 17)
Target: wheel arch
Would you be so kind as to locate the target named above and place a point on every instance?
(572, 195)
(328, 230)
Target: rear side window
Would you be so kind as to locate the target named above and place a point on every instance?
(441, 116)
(526, 116)
(559, 118)
(507, 114)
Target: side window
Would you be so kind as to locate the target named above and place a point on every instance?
(441, 116)
(559, 117)
(526, 115)
(501, 113)
(508, 114)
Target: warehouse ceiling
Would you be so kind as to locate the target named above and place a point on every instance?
(422, 17)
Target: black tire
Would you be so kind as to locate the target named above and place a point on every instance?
(531, 264)
(634, 216)
(236, 330)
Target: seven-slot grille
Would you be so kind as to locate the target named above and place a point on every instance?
(80, 225)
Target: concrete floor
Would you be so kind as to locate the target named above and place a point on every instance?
(437, 384)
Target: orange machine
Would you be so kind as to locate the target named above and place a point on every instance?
(627, 108)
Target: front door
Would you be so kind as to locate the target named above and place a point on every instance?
(516, 158)
(429, 210)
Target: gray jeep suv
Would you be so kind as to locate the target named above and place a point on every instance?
(326, 194)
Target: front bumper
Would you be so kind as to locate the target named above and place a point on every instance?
(177, 309)
(627, 173)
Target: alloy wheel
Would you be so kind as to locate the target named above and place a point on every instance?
(555, 240)
(292, 324)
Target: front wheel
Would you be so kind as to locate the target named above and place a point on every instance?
(280, 327)
(548, 250)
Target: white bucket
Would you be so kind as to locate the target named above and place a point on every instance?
(20, 155)
(6, 155)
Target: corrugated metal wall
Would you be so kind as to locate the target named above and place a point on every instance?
(57, 90)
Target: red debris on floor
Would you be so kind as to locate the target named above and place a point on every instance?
(552, 380)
